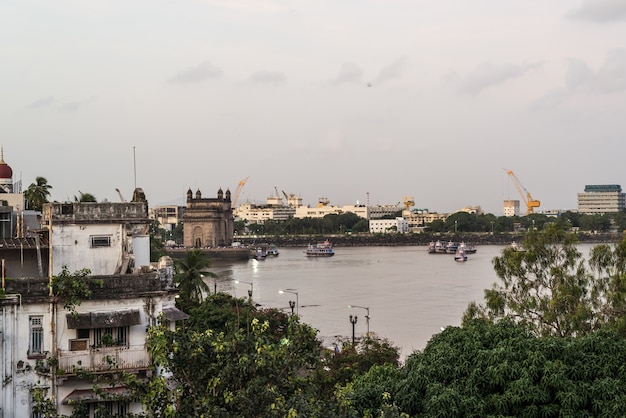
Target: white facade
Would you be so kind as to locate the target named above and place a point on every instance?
(98, 236)
(511, 208)
(389, 226)
(600, 199)
(107, 333)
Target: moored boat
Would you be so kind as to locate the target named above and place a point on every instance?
(451, 247)
(468, 248)
(320, 249)
(272, 251)
(259, 253)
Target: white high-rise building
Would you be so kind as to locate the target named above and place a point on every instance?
(601, 198)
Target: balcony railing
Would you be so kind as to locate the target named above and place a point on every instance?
(104, 359)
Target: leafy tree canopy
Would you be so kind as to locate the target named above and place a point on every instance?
(501, 369)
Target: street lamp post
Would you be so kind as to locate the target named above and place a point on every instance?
(353, 322)
(367, 316)
(250, 291)
(293, 292)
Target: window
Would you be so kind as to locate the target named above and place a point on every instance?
(36, 336)
(108, 409)
(109, 337)
(100, 241)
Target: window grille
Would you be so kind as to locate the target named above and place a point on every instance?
(100, 241)
(36, 335)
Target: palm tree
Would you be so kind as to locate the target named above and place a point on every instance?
(37, 193)
(85, 197)
(190, 274)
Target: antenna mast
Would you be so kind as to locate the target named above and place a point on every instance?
(135, 167)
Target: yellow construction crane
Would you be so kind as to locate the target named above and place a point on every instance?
(531, 203)
(408, 201)
(238, 191)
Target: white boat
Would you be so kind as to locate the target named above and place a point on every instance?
(460, 255)
(272, 251)
(321, 249)
(260, 253)
(468, 248)
(451, 247)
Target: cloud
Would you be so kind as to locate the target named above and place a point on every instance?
(611, 77)
(488, 75)
(391, 72)
(42, 103)
(581, 79)
(268, 77)
(197, 74)
(600, 11)
(349, 73)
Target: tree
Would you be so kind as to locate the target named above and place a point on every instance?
(190, 273)
(253, 368)
(37, 194)
(549, 287)
(85, 198)
(485, 369)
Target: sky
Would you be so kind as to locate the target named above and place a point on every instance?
(363, 101)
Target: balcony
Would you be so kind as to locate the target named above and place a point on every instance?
(104, 360)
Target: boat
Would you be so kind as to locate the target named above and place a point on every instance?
(432, 247)
(320, 249)
(516, 247)
(468, 248)
(272, 251)
(440, 247)
(451, 247)
(259, 253)
(460, 255)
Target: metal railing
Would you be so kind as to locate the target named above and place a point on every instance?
(104, 359)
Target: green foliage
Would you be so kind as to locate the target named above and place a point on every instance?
(72, 288)
(501, 369)
(85, 198)
(547, 287)
(157, 248)
(346, 363)
(255, 370)
(37, 193)
(190, 273)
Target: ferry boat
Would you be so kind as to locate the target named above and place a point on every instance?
(460, 255)
(451, 247)
(436, 247)
(272, 251)
(259, 253)
(468, 248)
(321, 249)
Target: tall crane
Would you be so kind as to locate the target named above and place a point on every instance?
(525, 194)
(238, 191)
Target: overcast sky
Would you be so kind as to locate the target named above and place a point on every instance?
(348, 99)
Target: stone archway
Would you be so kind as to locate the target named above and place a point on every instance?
(197, 237)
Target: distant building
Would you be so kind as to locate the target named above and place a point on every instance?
(398, 225)
(208, 222)
(168, 216)
(419, 218)
(602, 198)
(511, 208)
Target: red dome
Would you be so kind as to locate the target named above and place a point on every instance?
(5, 171)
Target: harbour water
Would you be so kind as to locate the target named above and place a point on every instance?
(411, 295)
